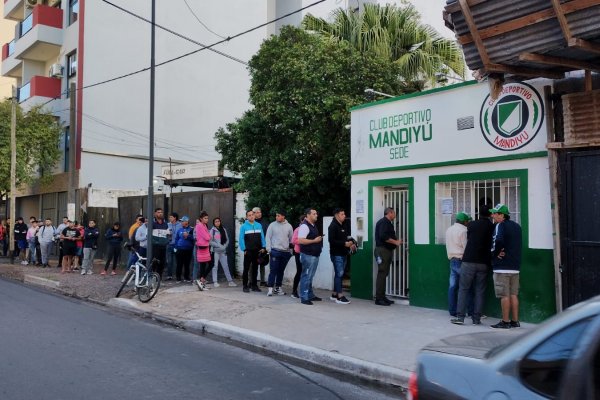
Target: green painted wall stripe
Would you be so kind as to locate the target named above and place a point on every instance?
(522, 156)
(411, 95)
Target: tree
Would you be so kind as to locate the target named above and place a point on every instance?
(38, 135)
(293, 149)
(395, 33)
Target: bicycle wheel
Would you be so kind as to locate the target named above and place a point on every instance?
(148, 288)
(128, 275)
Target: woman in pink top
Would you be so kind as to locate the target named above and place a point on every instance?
(297, 258)
(203, 252)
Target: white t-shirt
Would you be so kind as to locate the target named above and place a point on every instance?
(303, 231)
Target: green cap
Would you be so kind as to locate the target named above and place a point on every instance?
(500, 209)
(462, 217)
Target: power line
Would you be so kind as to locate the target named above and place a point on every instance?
(191, 52)
(202, 23)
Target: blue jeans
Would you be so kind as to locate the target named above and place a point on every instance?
(31, 252)
(278, 262)
(339, 265)
(171, 260)
(132, 259)
(309, 268)
(455, 264)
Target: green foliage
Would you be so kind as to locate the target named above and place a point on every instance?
(292, 149)
(394, 33)
(38, 136)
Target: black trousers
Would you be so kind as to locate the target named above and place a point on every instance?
(114, 253)
(250, 266)
(183, 264)
(298, 272)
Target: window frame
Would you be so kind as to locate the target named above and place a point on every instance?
(73, 16)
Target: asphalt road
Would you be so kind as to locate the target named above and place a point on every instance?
(52, 347)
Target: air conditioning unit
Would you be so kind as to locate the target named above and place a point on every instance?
(32, 3)
(56, 70)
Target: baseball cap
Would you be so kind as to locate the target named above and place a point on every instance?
(184, 219)
(500, 209)
(462, 217)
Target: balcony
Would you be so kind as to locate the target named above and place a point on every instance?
(10, 65)
(38, 90)
(14, 9)
(40, 34)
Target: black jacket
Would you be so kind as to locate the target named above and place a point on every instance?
(508, 239)
(479, 242)
(384, 230)
(20, 231)
(338, 236)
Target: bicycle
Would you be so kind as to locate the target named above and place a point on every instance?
(146, 284)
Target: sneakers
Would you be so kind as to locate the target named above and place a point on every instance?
(381, 303)
(307, 302)
(113, 273)
(342, 300)
(279, 291)
(515, 324)
(24, 263)
(501, 325)
(232, 284)
(103, 272)
(270, 292)
(246, 289)
(216, 284)
(89, 272)
(294, 295)
(83, 272)
(457, 321)
(333, 297)
(200, 285)
(316, 299)
(169, 278)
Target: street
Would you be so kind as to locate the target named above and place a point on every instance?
(55, 347)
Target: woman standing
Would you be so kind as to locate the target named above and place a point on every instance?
(219, 240)
(203, 251)
(114, 238)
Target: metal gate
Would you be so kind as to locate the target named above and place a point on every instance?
(580, 230)
(397, 281)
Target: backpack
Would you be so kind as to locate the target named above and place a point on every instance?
(132, 242)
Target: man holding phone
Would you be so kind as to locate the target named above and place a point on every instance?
(311, 244)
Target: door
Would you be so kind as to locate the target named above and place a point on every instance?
(580, 225)
(397, 281)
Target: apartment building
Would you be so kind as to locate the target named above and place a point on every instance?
(91, 42)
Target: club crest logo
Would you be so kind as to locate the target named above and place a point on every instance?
(514, 118)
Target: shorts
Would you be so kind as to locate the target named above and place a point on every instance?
(69, 251)
(506, 285)
(22, 244)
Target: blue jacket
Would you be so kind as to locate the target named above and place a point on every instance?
(113, 240)
(252, 236)
(507, 239)
(90, 237)
(182, 243)
(173, 228)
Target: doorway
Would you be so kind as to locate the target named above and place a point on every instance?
(397, 281)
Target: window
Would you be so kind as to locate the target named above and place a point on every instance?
(73, 11)
(543, 368)
(71, 71)
(468, 196)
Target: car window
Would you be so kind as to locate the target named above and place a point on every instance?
(542, 369)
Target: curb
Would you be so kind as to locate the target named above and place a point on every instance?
(36, 280)
(259, 341)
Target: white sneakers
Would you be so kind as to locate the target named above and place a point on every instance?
(277, 291)
(232, 284)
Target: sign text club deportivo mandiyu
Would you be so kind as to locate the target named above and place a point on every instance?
(514, 118)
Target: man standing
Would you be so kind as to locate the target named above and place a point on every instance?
(251, 242)
(173, 226)
(456, 241)
(46, 237)
(59, 229)
(473, 269)
(385, 244)
(264, 261)
(90, 245)
(339, 246)
(506, 263)
(311, 244)
(160, 239)
(279, 237)
(20, 231)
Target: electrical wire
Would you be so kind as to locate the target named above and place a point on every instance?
(202, 23)
(116, 78)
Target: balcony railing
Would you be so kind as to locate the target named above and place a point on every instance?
(26, 25)
(11, 47)
(40, 86)
(24, 92)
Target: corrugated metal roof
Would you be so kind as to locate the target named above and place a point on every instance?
(582, 118)
(543, 35)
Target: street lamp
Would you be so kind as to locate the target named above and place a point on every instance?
(372, 91)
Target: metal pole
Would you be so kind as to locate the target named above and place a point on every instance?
(72, 152)
(13, 172)
(151, 157)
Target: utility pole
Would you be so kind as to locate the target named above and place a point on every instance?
(72, 152)
(151, 156)
(13, 172)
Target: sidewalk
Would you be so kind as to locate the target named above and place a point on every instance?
(360, 339)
